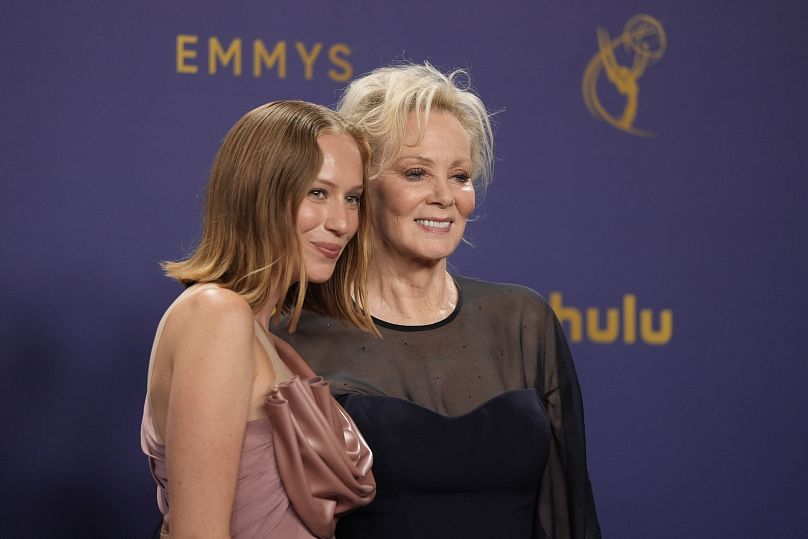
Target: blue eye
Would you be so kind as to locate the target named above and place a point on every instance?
(415, 174)
(317, 194)
(462, 177)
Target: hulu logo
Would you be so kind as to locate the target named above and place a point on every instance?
(606, 329)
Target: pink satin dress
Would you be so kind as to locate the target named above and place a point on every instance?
(261, 508)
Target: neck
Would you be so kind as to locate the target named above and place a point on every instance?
(264, 313)
(410, 292)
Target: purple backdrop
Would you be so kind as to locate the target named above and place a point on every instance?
(107, 136)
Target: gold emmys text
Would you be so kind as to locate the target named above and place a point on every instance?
(215, 56)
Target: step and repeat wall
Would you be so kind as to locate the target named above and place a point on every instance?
(650, 182)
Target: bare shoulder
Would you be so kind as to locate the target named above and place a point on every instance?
(208, 319)
(212, 304)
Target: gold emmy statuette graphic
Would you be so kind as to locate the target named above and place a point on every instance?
(643, 36)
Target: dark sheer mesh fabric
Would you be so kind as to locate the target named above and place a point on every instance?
(476, 421)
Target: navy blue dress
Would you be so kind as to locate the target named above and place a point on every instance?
(475, 422)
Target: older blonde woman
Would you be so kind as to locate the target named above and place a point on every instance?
(470, 400)
(283, 211)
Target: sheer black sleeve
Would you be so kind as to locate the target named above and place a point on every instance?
(566, 507)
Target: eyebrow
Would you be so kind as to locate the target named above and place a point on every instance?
(357, 187)
(429, 161)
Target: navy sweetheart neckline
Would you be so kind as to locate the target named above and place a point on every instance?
(474, 411)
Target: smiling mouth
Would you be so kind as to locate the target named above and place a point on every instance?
(330, 250)
(438, 226)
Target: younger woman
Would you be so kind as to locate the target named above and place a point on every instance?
(285, 207)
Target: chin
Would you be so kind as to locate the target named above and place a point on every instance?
(319, 275)
(437, 253)
(432, 257)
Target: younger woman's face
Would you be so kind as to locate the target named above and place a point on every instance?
(329, 214)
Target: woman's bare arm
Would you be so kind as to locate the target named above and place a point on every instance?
(213, 368)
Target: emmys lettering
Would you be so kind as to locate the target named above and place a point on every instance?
(644, 39)
(214, 56)
(608, 331)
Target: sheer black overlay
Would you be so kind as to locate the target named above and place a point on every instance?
(471, 369)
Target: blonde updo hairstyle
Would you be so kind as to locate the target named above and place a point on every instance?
(381, 101)
(250, 242)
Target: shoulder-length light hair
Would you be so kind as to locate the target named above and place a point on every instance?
(250, 242)
(381, 101)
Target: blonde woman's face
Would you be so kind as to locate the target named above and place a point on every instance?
(422, 202)
(329, 214)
